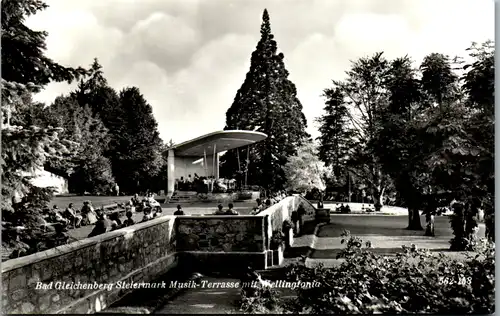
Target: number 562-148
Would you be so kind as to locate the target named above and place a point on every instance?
(460, 280)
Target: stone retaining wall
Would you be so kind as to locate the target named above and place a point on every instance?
(213, 233)
(139, 253)
(221, 242)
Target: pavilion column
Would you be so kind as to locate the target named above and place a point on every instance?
(216, 171)
(171, 173)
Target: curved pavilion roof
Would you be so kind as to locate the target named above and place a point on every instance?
(222, 141)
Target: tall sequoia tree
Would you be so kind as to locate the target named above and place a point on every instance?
(266, 102)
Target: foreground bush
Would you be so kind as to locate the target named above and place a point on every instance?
(415, 281)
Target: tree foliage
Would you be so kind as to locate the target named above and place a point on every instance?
(23, 57)
(428, 129)
(266, 102)
(360, 98)
(137, 157)
(25, 147)
(25, 69)
(132, 144)
(436, 140)
(305, 171)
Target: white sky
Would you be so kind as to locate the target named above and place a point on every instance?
(189, 57)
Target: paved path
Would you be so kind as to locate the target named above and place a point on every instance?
(205, 300)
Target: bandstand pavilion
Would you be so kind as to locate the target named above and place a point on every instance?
(201, 155)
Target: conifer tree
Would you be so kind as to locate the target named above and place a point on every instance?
(26, 146)
(266, 102)
(335, 131)
(95, 92)
(138, 152)
(23, 49)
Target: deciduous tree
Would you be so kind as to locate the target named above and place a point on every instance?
(305, 171)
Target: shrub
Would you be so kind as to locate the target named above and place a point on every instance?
(262, 300)
(414, 281)
(245, 195)
(464, 226)
(287, 224)
(277, 239)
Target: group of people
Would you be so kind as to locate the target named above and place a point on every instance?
(70, 216)
(263, 206)
(200, 184)
(188, 184)
(278, 196)
(110, 222)
(230, 210)
(343, 208)
(148, 206)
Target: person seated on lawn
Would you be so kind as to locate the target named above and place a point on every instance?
(148, 215)
(179, 210)
(153, 204)
(230, 210)
(60, 237)
(58, 217)
(116, 218)
(130, 206)
(73, 217)
(144, 206)
(258, 208)
(220, 210)
(135, 200)
(102, 225)
(348, 209)
(129, 221)
(88, 214)
(268, 203)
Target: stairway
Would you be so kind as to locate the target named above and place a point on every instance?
(183, 197)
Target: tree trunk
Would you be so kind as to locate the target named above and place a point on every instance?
(377, 189)
(378, 198)
(429, 228)
(414, 219)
